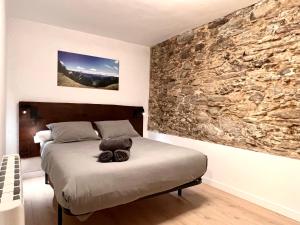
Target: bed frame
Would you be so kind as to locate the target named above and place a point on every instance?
(34, 116)
(179, 189)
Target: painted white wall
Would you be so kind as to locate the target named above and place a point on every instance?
(267, 180)
(32, 69)
(2, 76)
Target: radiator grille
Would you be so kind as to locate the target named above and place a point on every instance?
(10, 180)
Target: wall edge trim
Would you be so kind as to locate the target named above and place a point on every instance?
(275, 207)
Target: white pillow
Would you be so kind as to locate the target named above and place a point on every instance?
(43, 136)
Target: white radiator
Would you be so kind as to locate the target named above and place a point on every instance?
(11, 194)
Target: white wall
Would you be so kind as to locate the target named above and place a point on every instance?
(32, 69)
(2, 76)
(267, 180)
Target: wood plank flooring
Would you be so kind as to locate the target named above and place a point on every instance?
(199, 205)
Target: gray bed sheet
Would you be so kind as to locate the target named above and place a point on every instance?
(83, 185)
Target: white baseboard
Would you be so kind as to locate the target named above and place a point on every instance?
(254, 199)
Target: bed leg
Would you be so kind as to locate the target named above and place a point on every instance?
(180, 192)
(59, 214)
(46, 179)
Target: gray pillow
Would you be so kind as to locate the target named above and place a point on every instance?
(72, 131)
(116, 128)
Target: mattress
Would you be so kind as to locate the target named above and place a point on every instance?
(83, 185)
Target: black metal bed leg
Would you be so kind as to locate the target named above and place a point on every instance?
(59, 214)
(46, 179)
(180, 192)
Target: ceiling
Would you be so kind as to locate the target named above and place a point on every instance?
(145, 22)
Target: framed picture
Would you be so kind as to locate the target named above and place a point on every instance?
(84, 71)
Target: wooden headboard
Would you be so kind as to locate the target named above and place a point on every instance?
(34, 116)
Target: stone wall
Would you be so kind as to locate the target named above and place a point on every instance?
(234, 81)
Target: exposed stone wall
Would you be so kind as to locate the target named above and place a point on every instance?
(234, 81)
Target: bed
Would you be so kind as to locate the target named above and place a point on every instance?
(82, 185)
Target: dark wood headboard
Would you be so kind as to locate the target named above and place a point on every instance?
(34, 116)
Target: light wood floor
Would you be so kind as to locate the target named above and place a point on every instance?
(199, 205)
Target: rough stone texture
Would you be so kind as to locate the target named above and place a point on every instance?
(234, 81)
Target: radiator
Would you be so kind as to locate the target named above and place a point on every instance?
(11, 194)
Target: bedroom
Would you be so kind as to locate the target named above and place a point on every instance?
(218, 80)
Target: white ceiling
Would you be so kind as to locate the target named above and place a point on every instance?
(145, 22)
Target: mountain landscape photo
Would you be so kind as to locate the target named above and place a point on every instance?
(77, 70)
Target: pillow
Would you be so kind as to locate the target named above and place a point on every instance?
(72, 131)
(116, 128)
(42, 136)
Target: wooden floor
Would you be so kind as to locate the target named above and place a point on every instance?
(199, 205)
